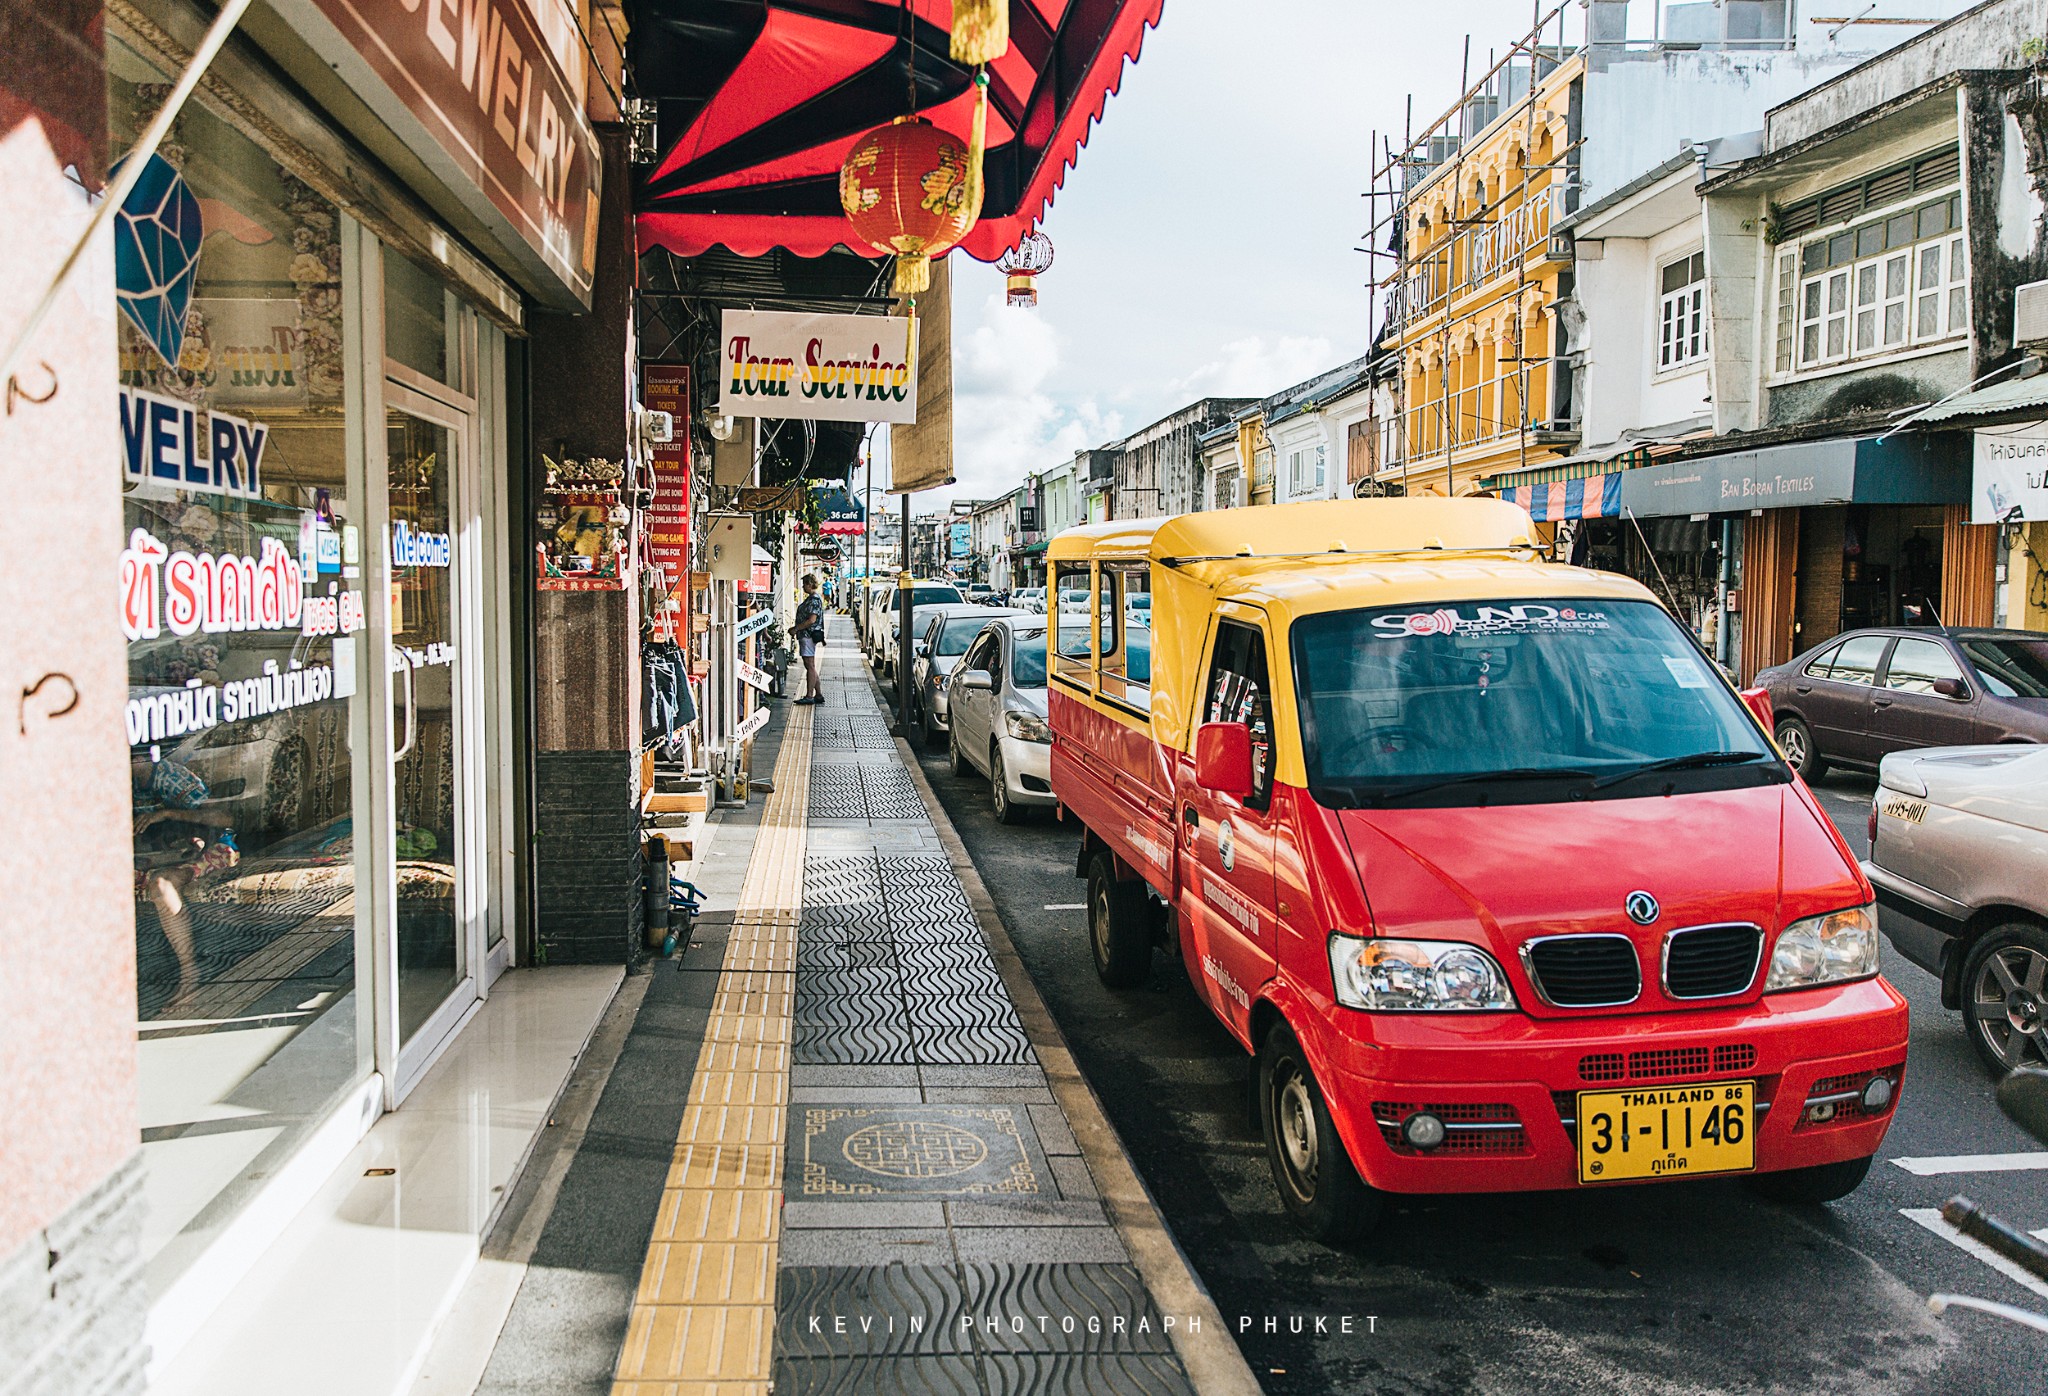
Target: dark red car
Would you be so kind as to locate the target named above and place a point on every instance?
(1866, 693)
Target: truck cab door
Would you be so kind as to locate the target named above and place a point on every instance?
(1226, 882)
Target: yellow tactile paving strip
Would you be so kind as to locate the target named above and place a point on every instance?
(703, 1321)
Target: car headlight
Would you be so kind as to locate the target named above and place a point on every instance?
(1830, 949)
(1027, 727)
(1412, 976)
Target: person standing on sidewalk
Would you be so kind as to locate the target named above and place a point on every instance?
(810, 633)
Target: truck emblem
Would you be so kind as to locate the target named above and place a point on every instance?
(1642, 908)
(1226, 846)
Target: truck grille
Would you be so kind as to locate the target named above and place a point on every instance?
(1593, 971)
(1711, 961)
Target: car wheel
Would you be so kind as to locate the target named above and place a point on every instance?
(957, 757)
(999, 791)
(1119, 927)
(1827, 1182)
(1318, 1185)
(2005, 997)
(1795, 739)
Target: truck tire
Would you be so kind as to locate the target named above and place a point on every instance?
(1795, 739)
(1119, 926)
(1827, 1182)
(1314, 1175)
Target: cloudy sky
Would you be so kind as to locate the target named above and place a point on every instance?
(1204, 238)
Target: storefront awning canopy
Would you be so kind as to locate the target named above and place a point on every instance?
(760, 100)
(1591, 497)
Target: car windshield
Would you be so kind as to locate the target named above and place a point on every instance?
(958, 632)
(2011, 668)
(1027, 660)
(1073, 596)
(1515, 702)
(934, 595)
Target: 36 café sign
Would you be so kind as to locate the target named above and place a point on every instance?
(501, 123)
(821, 368)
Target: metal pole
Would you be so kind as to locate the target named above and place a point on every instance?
(903, 594)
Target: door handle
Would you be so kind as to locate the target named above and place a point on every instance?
(412, 715)
(1189, 817)
(1802, 688)
(1880, 702)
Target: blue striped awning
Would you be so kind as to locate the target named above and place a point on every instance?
(1595, 497)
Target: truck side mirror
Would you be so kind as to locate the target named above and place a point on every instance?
(1951, 688)
(1223, 758)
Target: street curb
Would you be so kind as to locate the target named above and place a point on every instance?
(1215, 1366)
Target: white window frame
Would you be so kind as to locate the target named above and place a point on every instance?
(1682, 318)
(1299, 480)
(1864, 311)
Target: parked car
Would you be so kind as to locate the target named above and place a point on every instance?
(1029, 599)
(883, 649)
(996, 701)
(1868, 693)
(933, 659)
(980, 593)
(1959, 858)
(1138, 608)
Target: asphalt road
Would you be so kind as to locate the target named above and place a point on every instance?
(1690, 1287)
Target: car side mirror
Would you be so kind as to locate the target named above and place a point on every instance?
(1759, 700)
(1951, 688)
(980, 679)
(922, 649)
(1223, 758)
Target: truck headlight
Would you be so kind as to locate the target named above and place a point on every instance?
(1027, 727)
(1830, 949)
(1411, 976)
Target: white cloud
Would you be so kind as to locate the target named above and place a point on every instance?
(1006, 421)
(1252, 367)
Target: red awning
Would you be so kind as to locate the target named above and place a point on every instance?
(759, 103)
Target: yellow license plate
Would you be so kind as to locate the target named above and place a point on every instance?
(1667, 1132)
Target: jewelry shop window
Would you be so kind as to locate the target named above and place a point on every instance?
(242, 605)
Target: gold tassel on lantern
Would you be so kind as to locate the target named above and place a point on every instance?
(981, 30)
(977, 147)
(913, 274)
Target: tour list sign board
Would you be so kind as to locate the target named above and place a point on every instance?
(666, 388)
(819, 368)
(474, 90)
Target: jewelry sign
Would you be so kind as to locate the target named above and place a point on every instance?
(820, 368)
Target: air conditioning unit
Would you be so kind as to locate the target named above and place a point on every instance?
(2030, 314)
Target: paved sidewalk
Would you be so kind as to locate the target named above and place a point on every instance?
(872, 1185)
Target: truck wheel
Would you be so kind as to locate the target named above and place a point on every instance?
(1828, 1182)
(1795, 739)
(2005, 997)
(1119, 929)
(1317, 1183)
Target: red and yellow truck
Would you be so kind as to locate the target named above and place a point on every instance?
(1482, 858)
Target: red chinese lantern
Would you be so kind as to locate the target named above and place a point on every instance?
(1023, 264)
(910, 189)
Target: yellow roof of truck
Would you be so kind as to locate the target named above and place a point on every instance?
(1265, 531)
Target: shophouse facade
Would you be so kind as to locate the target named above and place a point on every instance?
(1158, 468)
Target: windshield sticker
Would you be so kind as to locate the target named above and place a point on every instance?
(1519, 619)
(1686, 673)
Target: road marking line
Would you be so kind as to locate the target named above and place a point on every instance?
(1973, 1163)
(1930, 1217)
(1066, 906)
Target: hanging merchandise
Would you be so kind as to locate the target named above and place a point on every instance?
(981, 30)
(910, 189)
(1023, 264)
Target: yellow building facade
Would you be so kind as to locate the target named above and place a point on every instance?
(1473, 306)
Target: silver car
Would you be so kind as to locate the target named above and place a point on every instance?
(1959, 858)
(933, 659)
(882, 640)
(996, 702)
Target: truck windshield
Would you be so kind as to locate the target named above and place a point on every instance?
(1515, 702)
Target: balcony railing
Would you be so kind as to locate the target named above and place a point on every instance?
(1488, 412)
(1476, 256)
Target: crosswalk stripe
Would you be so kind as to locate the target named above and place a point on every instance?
(1974, 1163)
(1930, 1217)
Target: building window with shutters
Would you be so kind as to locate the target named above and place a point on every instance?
(1682, 312)
(1894, 280)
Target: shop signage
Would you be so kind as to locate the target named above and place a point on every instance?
(415, 548)
(473, 88)
(172, 713)
(666, 388)
(755, 678)
(841, 515)
(2010, 472)
(1905, 469)
(961, 540)
(756, 622)
(185, 592)
(821, 368)
(756, 720)
(160, 445)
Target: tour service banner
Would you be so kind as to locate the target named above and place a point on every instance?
(819, 368)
